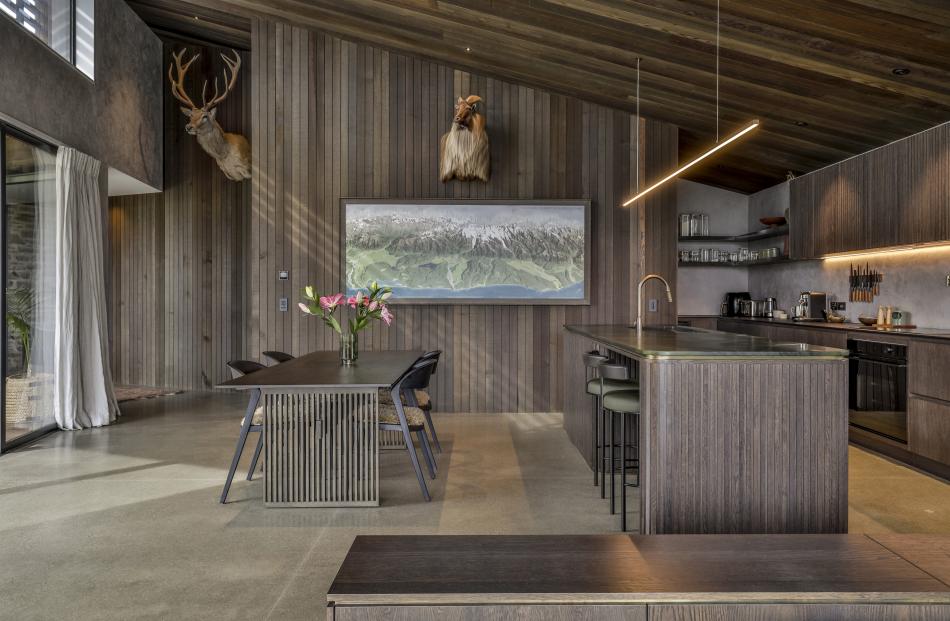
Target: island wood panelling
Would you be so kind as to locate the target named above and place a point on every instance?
(333, 118)
(177, 259)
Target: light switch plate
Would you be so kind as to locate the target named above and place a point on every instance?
(653, 305)
(283, 275)
(283, 305)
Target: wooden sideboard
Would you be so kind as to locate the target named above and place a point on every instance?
(634, 577)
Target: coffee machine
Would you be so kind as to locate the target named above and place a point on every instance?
(731, 306)
(811, 306)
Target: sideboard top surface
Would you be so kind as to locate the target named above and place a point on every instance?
(408, 570)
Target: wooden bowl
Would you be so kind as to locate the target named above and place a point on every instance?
(868, 321)
(835, 319)
(773, 220)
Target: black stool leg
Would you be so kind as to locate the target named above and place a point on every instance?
(593, 437)
(603, 450)
(612, 463)
(623, 472)
(257, 454)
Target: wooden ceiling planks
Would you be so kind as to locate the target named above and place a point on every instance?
(825, 63)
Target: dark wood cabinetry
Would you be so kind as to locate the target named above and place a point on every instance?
(928, 428)
(895, 195)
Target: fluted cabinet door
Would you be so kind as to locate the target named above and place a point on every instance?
(801, 217)
(850, 233)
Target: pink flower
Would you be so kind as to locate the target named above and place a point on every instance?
(373, 305)
(386, 315)
(329, 302)
(304, 308)
(351, 301)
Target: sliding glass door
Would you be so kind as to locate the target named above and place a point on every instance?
(28, 272)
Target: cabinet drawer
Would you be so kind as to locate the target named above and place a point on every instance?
(811, 336)
(928, 428)
(927, 366)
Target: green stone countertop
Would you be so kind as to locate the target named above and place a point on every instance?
(679, 342)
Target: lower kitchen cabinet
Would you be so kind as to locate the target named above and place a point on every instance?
(927, 364)
(812, 336)
(928, 428)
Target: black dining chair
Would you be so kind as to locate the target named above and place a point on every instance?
(401, 413)
(253, 421)
(424, 397)
(277, 356)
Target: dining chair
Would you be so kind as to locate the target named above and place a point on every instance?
(253, 421)
(401, 413)
(277, 356)
(424, 397)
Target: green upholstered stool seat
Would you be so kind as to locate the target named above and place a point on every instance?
(622, 401)
(610, 385)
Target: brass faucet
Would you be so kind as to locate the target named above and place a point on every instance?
(669, 297)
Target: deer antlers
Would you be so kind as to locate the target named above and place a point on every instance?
(178, 89)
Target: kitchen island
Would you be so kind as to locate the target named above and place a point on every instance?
(737, 434)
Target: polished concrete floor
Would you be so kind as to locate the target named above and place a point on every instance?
(123, 522)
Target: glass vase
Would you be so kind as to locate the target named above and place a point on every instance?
(349, 348)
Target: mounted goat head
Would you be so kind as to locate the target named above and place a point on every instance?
(463, 151)
(231, 151)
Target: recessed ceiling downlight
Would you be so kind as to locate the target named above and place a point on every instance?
(900, 71)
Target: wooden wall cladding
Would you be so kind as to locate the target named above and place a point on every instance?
(177, 259)
(333, 118)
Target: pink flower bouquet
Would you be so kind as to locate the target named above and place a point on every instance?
(369, 304)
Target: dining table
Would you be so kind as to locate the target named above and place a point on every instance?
(321, 436)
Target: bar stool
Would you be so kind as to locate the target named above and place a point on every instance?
(592, 360)
(614, 402)
(624, 403)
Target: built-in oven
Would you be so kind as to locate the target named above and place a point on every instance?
(878, 388)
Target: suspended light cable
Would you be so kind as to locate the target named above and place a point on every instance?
(717, 147)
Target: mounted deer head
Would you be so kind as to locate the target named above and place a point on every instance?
(231, 151)
(463, 151)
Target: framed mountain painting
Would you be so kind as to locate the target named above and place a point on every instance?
(469, 251)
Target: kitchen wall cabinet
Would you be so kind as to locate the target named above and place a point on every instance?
(895, 195)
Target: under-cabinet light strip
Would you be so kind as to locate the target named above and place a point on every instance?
(886, 252)
(678, 171)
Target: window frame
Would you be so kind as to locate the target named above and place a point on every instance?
(73, 39)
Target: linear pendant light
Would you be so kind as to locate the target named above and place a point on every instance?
(679, 170)
(715, 148)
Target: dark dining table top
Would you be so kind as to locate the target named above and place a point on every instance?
(373, 369)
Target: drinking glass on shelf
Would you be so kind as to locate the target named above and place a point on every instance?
(734, 256)
(705, 224)
(684, 256)
(684, 225)
(694, 255)
(714, 255)
(743, 255)
(695, 225)
(704, 256)
(753, 255)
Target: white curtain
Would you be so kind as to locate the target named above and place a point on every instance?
(83, 395)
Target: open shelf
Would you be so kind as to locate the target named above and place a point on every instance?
(773, 231)
(736, 263)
